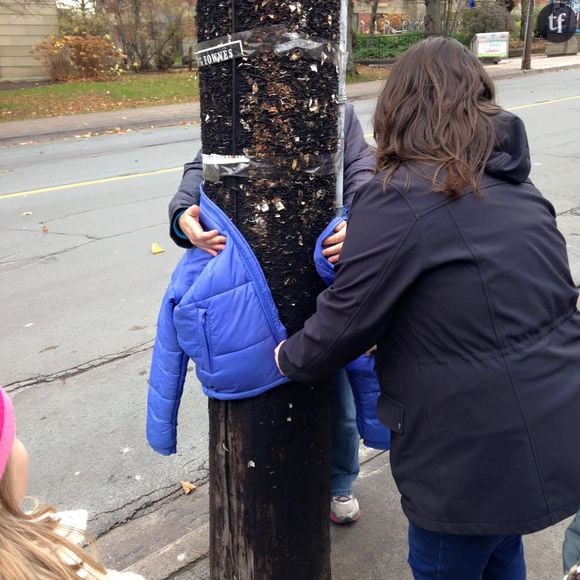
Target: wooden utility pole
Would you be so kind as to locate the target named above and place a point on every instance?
(276, 106)
(527, 54)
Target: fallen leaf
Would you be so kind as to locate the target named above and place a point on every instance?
(187, 487)
(45, 229)
(156, 249)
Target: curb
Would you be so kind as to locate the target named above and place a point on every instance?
(174, 557)
(508, 74)
(50, 128)
(182, 554)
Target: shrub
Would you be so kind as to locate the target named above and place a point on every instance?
(166, 59)
(54, 56)
(487, 17)
(85, 57)
(388, 47)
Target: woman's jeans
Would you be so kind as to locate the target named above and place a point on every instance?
(435, 556)
(571, 549)
(345, 437)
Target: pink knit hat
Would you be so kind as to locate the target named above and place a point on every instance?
(7, 430)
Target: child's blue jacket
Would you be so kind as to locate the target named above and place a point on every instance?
(219, 312)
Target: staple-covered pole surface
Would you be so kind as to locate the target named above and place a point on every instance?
(270, 455)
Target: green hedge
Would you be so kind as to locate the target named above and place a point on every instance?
(388, 47)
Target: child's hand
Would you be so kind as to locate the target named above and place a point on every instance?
(333, 244)
(211, 241)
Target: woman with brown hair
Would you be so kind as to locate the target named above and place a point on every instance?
(453, 265)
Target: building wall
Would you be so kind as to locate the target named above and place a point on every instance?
(19, 32)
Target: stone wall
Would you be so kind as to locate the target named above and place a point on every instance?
(20, 30)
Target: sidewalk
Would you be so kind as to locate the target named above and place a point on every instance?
(171, 115)
(375, 548)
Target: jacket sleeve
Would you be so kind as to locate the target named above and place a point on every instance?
(359, 158)
(380, 259)
(166, 380)
(187, 194)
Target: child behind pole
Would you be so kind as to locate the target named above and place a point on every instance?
(42, 544)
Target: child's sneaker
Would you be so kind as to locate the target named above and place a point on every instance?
(344, 509)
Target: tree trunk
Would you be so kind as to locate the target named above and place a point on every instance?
(523, 20)
(432, 17)
(527, 53)
(270, 455)
(351, 42)
(374, 9)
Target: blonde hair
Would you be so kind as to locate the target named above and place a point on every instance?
(31, 547)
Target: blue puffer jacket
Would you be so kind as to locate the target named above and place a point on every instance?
(220, 313)
(361, 372)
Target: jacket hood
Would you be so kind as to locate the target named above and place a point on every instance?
(510, 158)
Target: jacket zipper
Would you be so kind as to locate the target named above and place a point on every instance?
(205, 329)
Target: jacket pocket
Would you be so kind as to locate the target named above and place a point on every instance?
(206, 350)
(391, 414)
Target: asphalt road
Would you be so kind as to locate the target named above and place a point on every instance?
(80, 299)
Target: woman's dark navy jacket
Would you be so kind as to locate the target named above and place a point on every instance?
(472, 305)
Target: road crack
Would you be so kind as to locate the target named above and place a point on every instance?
(91, 240)
(16, 386)
(168, 493)
(572, 211)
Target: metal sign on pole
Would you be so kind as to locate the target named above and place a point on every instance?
(269, 95)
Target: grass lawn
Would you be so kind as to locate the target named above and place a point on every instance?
(126, 92)
(369, 73)
(31, 101)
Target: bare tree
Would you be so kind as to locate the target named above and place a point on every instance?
(351, 42)
(82, 17)
(148, 30)
(432, 17)
(525, 4)
(374, 9)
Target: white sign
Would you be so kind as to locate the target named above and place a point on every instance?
(220, 53)
(492, 45)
